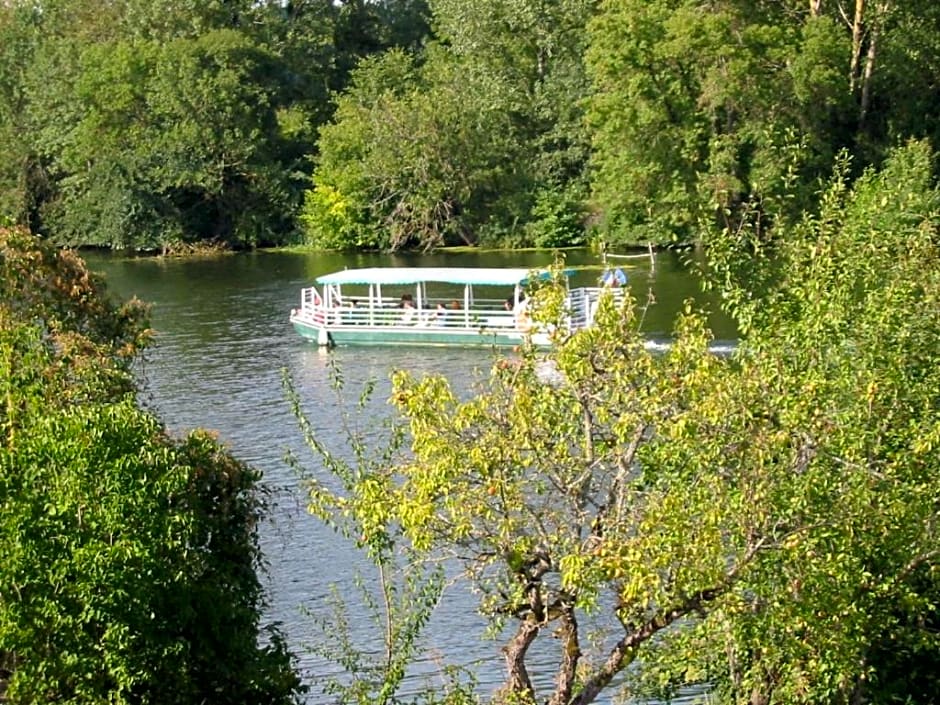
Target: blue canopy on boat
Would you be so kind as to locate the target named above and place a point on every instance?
(483, 276)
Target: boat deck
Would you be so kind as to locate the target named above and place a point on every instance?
(383, 321)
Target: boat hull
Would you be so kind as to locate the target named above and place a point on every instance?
(406, 335)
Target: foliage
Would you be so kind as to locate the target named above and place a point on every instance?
(406, 166)
(158, 124)
(129, 569)
(762, 523)
(130, 559)
(859, 281)
(167, 142)
(89, 341)
(407, 591)
(706, 112)
(458, 143)
(557, 220)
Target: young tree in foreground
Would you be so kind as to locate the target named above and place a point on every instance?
(130, 569)
(764, 523)
(407, 591)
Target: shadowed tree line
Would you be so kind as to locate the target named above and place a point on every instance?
(412, 124)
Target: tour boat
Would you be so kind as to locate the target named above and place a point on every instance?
(446, 306)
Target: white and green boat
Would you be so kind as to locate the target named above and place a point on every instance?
(446, 306)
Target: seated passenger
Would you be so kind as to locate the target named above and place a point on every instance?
(614, 278)
(520, 315)
(439, 317)
(409, 313)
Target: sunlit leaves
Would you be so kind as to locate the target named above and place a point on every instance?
(129, 565)
(130, 559)
(762, 522)
(732, 111)
(847, 331)
(63, 331)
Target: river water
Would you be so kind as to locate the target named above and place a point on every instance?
(223, 341)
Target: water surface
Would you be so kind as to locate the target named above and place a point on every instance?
(223, 340)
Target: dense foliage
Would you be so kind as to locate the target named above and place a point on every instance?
(763, 525)
(130, 558)
(700, 110)
(478, 139)
(159, 125)
(417, 123)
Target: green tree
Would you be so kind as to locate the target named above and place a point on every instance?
(860, 281)
(157, 124)
(131, 559)
(130, 569)
(167, 143)
(414, 158)
(703, 112)
(685, 106)
(408, 589)
(88, 342)
(22, 179)
(465, 142)
(762, 524)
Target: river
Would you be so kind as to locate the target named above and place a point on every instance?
(222, 342)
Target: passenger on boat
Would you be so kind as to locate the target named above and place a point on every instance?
(455, 316)
(351, 315)
(409, 313)
(439, 317)
(520, 314)
(614, 278)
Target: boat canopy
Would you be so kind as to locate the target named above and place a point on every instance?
(483, 276)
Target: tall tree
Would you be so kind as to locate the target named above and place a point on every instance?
(23, 182)
(164, 143)
(415, 158)
(703, 111)
(762, 524)
(491, 130)
(239, 87)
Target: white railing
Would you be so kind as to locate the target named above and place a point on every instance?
(486, 313)
(584, 301)
(387, 311)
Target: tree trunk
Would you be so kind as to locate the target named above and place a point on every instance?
(869, 71)
(815, 7)
(519, 685)
(570, 655)
(858, 33)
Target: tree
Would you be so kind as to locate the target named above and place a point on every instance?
(88, 343)
(706, 111)
(131, 559)
(408, 590)
(22, 180)
(199, 130)
(130, 570)
(763, 523)
(414, 158)
(465, 142)
(167, 143)
(859, 280)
